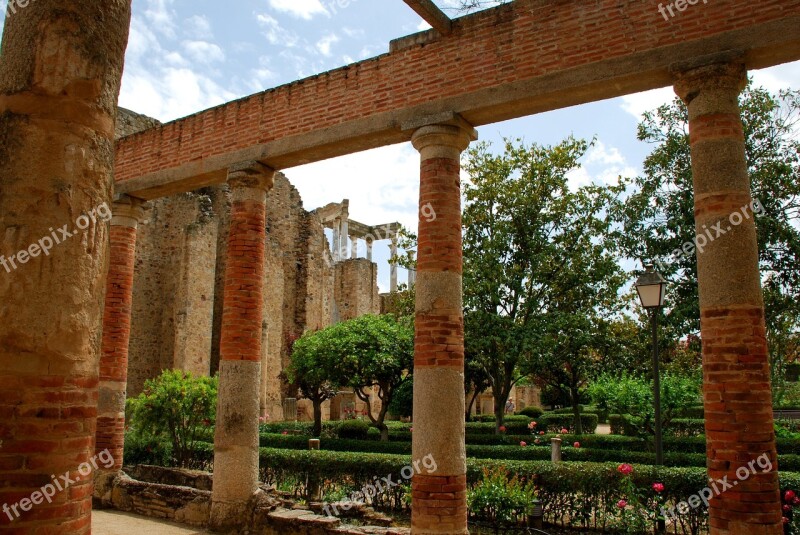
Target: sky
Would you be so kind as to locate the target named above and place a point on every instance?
(185, 56)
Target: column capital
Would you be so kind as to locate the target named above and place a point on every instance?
(441, 140)
(717, 76)
(128, 211)
(252, 174)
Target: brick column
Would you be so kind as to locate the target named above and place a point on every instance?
(439, 498)
(110, 434)
(736, 376)
(236, 437)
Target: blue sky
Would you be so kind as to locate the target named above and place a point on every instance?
(188, 55)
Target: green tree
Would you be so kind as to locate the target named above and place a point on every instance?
(659, 217)
(632, 396)
(369, 353)
(314, 373)
(178, 407)
(538, 263)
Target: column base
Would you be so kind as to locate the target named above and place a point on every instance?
(227, 515)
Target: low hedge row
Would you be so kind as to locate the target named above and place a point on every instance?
(677, 457)
(569, 491)
(678, 427)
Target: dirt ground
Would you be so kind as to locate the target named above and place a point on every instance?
(117, 523)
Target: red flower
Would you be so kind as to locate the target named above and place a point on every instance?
(502, 429)
(789, 495)
(531, 425)
(541, 432)
(523, 443)
(576, 445)
(622, 504)
(537, 441)
(625, 469)
(785, 520)
(658, 487)
(285, 433)
(787, 508)
(564, 430)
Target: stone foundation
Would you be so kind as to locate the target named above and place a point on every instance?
(172, 494)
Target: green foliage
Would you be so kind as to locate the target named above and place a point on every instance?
(532, 411)
(402, 404)
(501, 498)
(632, 397)
(177, 407)
(539, 274)
(357, 429)
(556, 422)
(659, 216)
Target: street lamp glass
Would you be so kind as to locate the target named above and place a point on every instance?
(651, 287)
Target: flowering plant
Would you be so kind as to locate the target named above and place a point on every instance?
(638, 509)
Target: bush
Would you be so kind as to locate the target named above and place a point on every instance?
(685, 427)
(556, 422)
(354, 429)
(402, 404)
(501, 500)
(696, 412)
(570, 492)
(532, 411)
(175, 407)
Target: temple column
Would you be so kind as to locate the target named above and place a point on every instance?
(343, 238)
(60, 72)
(412, 272)
(393, 265)
(127, 212)
(353, 247)
(337, 232)
(439, 497)
(736, 373)
(236, 434)
(369, 249)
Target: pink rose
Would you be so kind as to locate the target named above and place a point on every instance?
(622, 504)
(576, 445)
(625, 469)
(523, 443)
(564, 430)
(658, 487)
(541, 432)
(285, 433)
(502, 429)
(531, 425)
(537, 441)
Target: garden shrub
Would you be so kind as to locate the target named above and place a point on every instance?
(356, 429)
(555, 422)
(532, 411)
(176, 407)
(501, 498)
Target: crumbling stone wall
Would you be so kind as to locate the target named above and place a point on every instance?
(179, 281)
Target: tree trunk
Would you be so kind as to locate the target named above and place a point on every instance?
(468, 413)
(317, 403)
(384, 432)
(499, 414)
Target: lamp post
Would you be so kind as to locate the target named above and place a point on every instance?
(651, 289)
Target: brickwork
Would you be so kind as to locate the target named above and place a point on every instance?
(356, 288)
(736, 373)
(528, 40)
(60, 72)
(116, 332)
(440, 504)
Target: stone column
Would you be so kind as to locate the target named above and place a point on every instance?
(337, 232)
(236, 436)
(127, 214)
(736, 374)
(393, 265)
(353, 247)
(439, 497)
(369, 249)
(343, 238)
(60, 73)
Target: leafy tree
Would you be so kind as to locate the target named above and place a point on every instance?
(369, 353)
(314, 373)
(659, 217)
(403, 400)
(632, 396)
(540, 273)
(476, 382)
(176, 406)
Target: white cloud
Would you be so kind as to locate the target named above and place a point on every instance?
(203, 51)
(777, 78)
(304, 9)
(198, 27)
(275, 33)
(324, 44)
(602, 165)
(639, 103)
(599, 153)
(423, 25)
(161, 17)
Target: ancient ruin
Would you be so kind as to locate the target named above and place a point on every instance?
(64, 350)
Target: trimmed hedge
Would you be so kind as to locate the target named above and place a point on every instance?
(678, 427)
(532, 411)
(555, 422)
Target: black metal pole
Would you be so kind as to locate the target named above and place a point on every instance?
(657, 392)
(661, 524)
